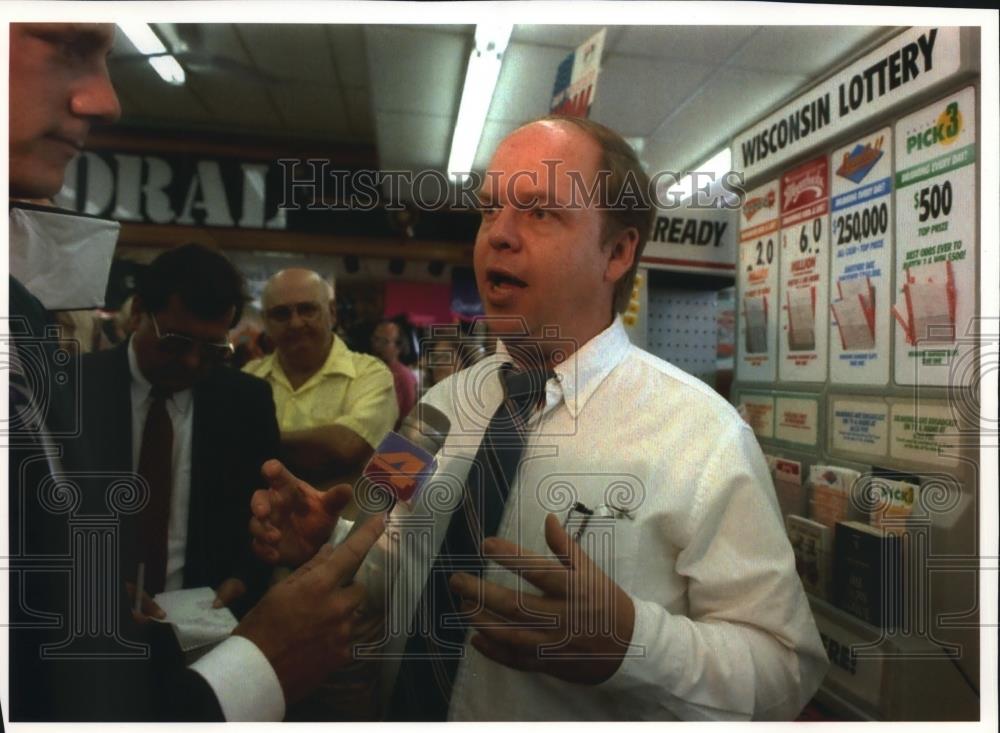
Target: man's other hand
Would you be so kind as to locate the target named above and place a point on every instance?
(578, 630)
(305, 623)
(291, 519)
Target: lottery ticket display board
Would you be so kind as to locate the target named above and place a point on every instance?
(859, 240)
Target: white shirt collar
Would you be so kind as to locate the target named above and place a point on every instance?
(580, 374)
(141, 386)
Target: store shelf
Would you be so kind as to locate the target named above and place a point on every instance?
(907, 678)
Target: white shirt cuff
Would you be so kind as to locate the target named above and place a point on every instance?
(243, 681)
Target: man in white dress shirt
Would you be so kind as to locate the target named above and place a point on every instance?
(679, 598)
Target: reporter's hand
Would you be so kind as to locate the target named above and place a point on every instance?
(229, 590)
(291, 519)
(150, 609)
(305, 623)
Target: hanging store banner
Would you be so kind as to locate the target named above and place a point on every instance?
(805, 256)
(757, 343)
(175, 188)
(861, 260)
(692, 240)
(909, 63)
(576, 78)
(935, 293)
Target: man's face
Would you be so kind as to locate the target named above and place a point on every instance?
(539, 255)
(59, 86)
(385, 342)
(298, 320)
(175, 363)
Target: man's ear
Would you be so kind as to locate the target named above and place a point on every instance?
(621, 254)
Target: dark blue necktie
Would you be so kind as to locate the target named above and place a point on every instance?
(427, 672)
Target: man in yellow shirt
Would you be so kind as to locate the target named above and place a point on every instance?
(333, 405)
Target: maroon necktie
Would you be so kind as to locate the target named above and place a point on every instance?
(156, 466)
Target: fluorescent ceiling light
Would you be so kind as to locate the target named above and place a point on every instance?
(718, 164)
(715, 167)
(148, 44)
(477, 93)
(168, 69)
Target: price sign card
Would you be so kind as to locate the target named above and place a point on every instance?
(860, 426)
(935, 293)
(757, 409)
(925, 432)
(805, 255)
(797, 419)
(758, 280)
(860, 260)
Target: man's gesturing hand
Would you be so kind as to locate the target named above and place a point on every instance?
(305, 623)
(578, 630)
(292, 520)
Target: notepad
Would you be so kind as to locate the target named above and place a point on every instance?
(195, 622)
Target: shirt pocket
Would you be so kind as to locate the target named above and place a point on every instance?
(601, 512)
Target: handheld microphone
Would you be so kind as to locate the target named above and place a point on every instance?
(403, 461)
(396, 473)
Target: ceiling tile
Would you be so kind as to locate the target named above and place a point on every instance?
(297, 52)
(688, 43)
(462, 29)
(347, 46)
(807, 50)
(664, 85)
(411, 141)
(236, 101)
(312, 110)
(728, 102)
(359, 112)
(416, 71)
(564, 36)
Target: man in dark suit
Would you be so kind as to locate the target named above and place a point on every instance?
(75, 651)
(221, 423)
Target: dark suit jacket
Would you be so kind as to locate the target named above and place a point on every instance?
(60, 668)
(234, 432)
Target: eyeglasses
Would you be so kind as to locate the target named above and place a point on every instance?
(307, 311)
(178, 344)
